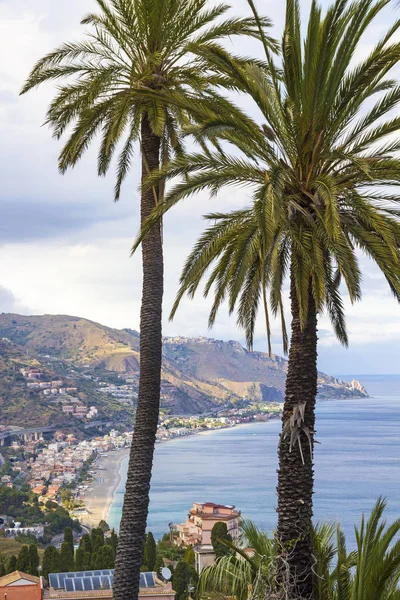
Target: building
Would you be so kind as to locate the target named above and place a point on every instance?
(196, 531)
(94, 585)
(202, 518)
(21, 586)
(36, 530)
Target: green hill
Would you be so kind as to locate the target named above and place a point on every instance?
(198, 373)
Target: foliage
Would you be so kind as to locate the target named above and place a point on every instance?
(104, 526)
(66, 558)
(23, 561)
(180, 580)
(97, 538)
(150, 552)
(103, 558)
(322, 168)
(69, 538)
(370, 572)
(189, 556)
(86, 543)
(11, 564)
(220, 535)
(51, 561)
(33, 560)
(80, 560)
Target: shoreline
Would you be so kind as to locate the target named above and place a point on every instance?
(100, 498)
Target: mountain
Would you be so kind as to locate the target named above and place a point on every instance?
(198, 373)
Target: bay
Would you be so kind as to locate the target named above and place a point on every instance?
(356, 461)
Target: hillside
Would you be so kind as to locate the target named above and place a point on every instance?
(198, 373)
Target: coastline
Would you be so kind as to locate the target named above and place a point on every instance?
(98, 500)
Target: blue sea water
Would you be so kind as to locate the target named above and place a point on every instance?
(356, 461)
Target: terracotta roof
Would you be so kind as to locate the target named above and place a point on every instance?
(15, 576)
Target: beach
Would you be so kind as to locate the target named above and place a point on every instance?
(100, 497)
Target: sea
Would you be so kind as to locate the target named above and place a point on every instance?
(357, 460)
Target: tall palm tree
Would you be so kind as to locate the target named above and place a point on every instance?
(324, 169)
(137, 55)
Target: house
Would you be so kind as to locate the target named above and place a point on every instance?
(196, 530)
(95, 585)
(21, 586)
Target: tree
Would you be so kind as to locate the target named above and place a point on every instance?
(11, 564)
(124, 79)
(104, 558)
(180, 580)
(219, 533)
(372, 570)
(80, 560)
(34, 560)
(69, 538)
(51, 561)
(97, 539)
(23, 563)
(104, 526)
(2, 568)
(189, 557)
(66, 558)
(324, 175)
(150, 552)
(86, 543)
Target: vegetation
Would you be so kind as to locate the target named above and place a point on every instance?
(317, 166)
(370, 572)
(23, 560)
(150, 552)
(180, 580)
(219, 537)
(51, 561)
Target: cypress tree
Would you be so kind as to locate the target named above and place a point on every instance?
(219, 533)
(23, 563)
(51, 561)
(80, 563)
(69, 538)
(86, 543)
(189, 556)
(104, 558)
(180, 580)
(11, 564)
(2, 569)
(33, 560)
(114, 541)
(66, 558)
(103, 525)
(97, 539)
(150, 552)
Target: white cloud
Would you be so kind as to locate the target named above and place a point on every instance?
(73, 256)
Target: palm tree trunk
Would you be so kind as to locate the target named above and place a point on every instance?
(295, 477)
(136, 500)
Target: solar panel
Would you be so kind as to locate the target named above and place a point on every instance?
(53, 580)
(93, 580)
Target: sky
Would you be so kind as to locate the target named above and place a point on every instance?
(65, 245)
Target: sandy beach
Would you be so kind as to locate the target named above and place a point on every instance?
(99, 499)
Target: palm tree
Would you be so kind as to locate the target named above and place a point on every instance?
(118, 82)
(324, 170)
(370, 572)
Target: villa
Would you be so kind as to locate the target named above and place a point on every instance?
(196, 530)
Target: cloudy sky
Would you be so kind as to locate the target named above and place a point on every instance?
(64, 244)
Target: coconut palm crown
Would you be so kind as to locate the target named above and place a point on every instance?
(324, 171)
